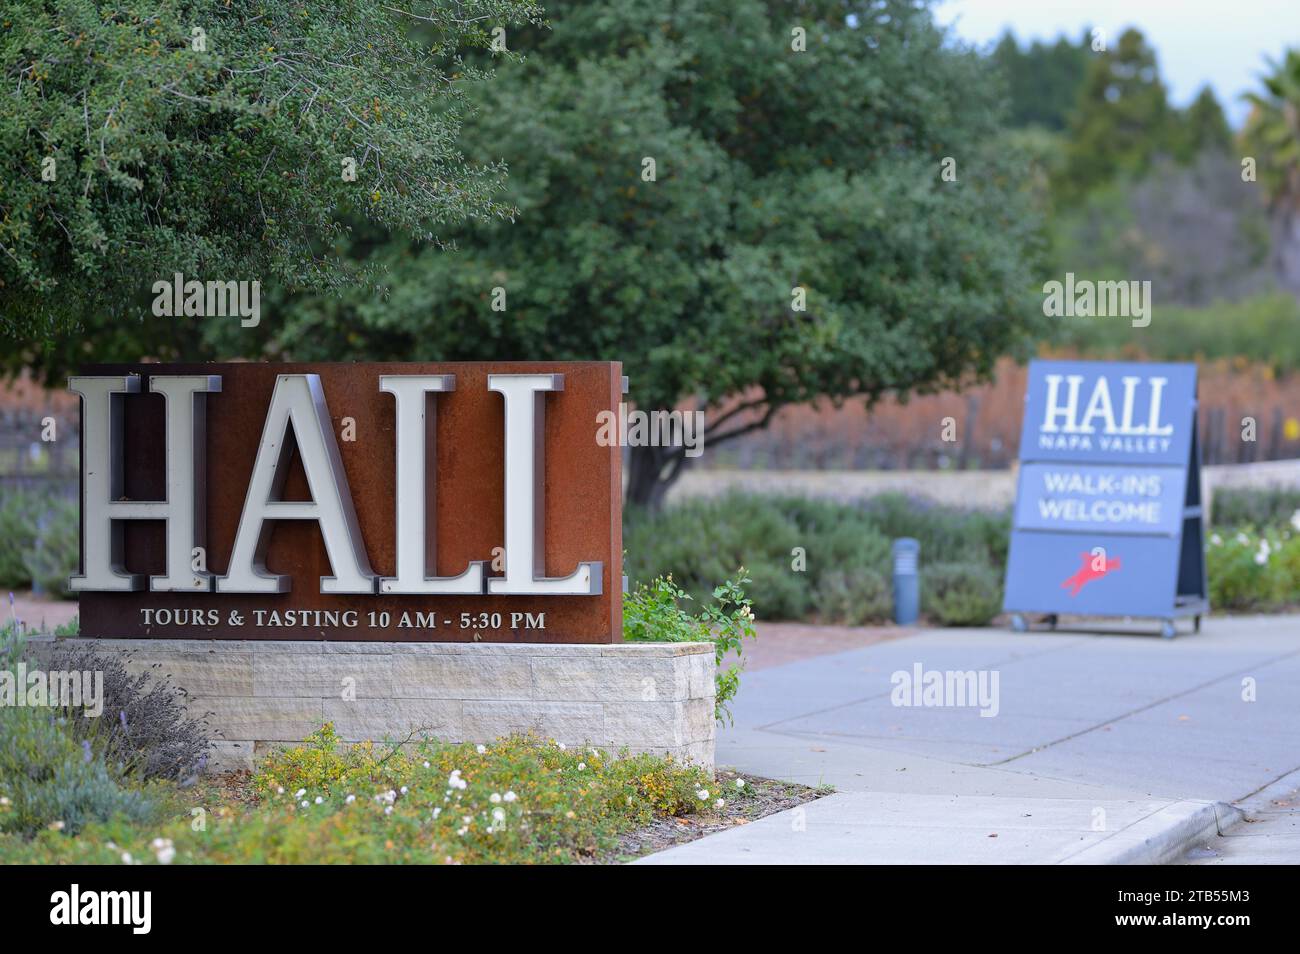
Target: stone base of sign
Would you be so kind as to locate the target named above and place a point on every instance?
(260, 694)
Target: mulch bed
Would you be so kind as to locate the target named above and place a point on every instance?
(766, 797)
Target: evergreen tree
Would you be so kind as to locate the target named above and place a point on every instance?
(213, 138)
(1202, 127)
(1122, 120)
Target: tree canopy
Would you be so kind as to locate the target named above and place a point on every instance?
(1043, 80)
(209, 138)
(686, 173)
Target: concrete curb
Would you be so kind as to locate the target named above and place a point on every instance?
(1162, 836)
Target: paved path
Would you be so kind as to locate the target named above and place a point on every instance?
(1270, 834)
(1101, 745)
(38, 613)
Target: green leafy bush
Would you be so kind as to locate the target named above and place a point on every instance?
(1259, 328)
(704, 541)
(46, 778)
(946, 534)
(1256, 507)
(53, 555)
(653, 613)
(49, 778)
(854, 598)
(18, 510)
(961, 594)
(1248, 570)
(791, 545)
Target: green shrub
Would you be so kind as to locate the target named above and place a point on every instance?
(144, 731)
(53, 555)
(705, 540)
(18, 510)
(946, 534)
(961, 594)
(1259, 328)
(653, 613)
(854, 598)
(1253, 571)
(49, 778)
(791, 544)
(1261, 507)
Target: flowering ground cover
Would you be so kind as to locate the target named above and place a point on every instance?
(521, 799)
(1255, 568)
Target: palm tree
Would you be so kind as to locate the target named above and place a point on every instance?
(1272, 135)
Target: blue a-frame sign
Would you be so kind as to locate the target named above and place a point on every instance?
(1108, 518)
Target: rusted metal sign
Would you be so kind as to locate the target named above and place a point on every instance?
(381, 501)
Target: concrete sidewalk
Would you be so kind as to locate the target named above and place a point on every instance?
(1103, 748)
(1268, 835)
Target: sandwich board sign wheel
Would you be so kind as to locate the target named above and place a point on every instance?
(1108, 518)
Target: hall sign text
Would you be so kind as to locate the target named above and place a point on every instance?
(206, 486)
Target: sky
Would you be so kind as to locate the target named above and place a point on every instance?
(1220, 42)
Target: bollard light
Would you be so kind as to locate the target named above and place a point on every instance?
(907, 581)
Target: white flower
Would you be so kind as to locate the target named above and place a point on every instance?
(510, 796)
(426, 764)
(164, 850)
(1216, 539)
(350, 799)
(56, 825)
(702, 794)
(300, 793)
(582, 766)
(461, 831)
(562, 745)
(388, 809)
(494, 798)
(499, 814)
(404, 789)
(279, 790)
(1243, 539)
(437, 811)
(304, 803)
(740, 783)
(320, 800)
(126, 858)
(1295, 519)
(1261, 557)
(720, 803)
(480, 749)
